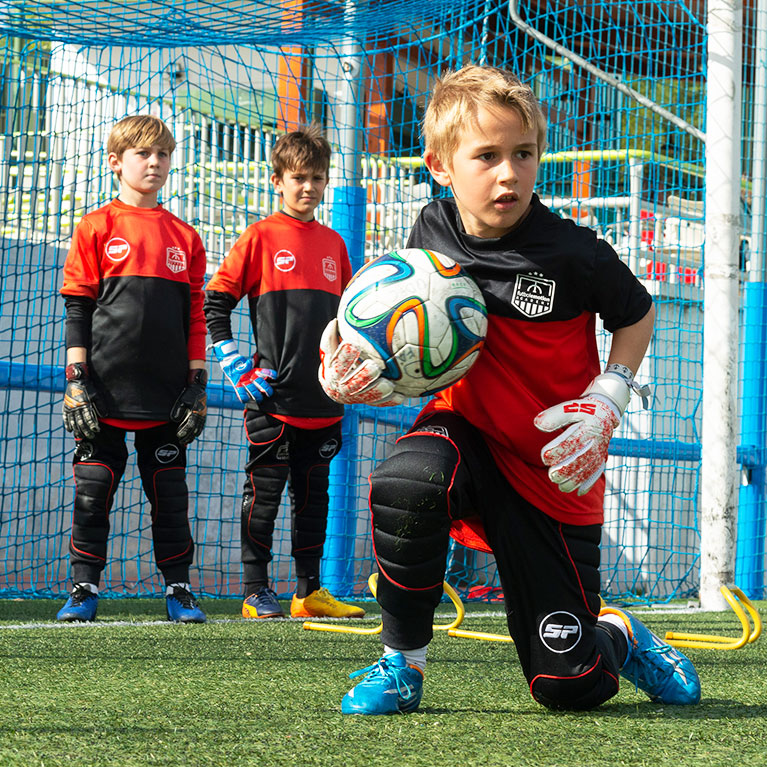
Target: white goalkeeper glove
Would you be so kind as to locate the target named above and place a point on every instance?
(577, 457)
(347, 378)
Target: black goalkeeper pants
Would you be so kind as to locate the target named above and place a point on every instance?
(280, 453)
(99, 464)
(442, 470)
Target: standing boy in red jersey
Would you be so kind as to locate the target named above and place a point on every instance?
(135, 336)
(480, 461)
(293, 270)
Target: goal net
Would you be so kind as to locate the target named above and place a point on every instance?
(623, 86)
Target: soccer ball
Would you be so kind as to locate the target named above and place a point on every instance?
(418, 312)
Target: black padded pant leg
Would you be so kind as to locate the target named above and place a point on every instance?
(413, 494)
(98, 465)
(311, 451)
(161, 460)
(266, 473)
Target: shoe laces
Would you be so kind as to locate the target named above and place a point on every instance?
(381, 670)
(656, 670)
(186, 598)
(325, 595)
(80, 596)
(266, 593)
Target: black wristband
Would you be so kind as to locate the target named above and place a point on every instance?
(198, 376)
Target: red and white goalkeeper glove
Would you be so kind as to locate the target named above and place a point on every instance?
(347, 378)
(577, 457)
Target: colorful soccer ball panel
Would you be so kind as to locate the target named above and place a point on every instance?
(420, 313)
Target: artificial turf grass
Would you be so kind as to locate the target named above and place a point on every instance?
(241, 693)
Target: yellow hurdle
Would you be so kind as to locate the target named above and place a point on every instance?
(716, 642)
(482, 635)
(372, 585)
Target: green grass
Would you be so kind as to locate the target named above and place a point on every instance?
(242, 693)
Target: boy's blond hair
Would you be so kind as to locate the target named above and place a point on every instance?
(305, 149)
(139, 131)
(457, 97)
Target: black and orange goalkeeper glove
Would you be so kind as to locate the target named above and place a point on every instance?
(80, 411)
(191, 407)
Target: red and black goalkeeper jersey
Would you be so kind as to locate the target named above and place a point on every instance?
(544, 283)
(133, 282)
(293, 273)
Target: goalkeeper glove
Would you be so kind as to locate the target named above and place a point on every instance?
(191, 407)
(80, 411)
(249, 382)
(346, 378)
(577, 457)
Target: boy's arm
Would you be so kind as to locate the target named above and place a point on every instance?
(80, 411)
(236, 276)
(577, 457)
(629, 344)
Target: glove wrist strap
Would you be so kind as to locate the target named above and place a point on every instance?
(76, 371)
(644, 391)
(612, 386)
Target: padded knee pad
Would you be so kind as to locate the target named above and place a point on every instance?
(410, 502)
(95, 485)
(169, 497)
(576, 693)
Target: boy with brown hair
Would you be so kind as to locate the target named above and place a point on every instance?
(135, 336)
(293, 270)
(479, 463)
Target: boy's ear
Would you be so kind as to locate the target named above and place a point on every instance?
(439, 170)
(276, 181)
(114, 162)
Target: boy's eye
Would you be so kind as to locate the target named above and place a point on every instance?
(487, 156)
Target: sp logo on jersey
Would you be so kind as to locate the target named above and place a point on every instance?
(175, 259)
(533, 295)
(560, 631)
(117, 249)
(284, 260)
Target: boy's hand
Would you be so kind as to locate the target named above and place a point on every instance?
(249, 382)
(577, 457)
(191, 407)
(346, 378)
(80, 412)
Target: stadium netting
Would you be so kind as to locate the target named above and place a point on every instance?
(229, 77)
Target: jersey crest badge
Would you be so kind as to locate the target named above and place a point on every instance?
(175, 259)
(329, 269)
(533, 295)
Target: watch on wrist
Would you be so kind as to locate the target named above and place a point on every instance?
(76, 371)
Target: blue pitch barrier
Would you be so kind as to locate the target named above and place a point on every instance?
(338, 559)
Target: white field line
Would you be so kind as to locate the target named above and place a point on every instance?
(441, 617)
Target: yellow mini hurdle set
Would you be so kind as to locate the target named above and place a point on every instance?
(748, 616)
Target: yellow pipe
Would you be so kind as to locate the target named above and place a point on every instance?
(372, 585)
(717, 642)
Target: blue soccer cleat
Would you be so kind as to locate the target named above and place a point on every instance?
(181, 605)
(81, 605)
(262, 604)
(390, 687)
(654, 666)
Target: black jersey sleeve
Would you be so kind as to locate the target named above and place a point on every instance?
(79, 315)
(618, 296)
(218, 314)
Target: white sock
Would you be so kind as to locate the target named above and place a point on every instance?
(618, 622)
(169, 588)
(415, 657)
(92, 587)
